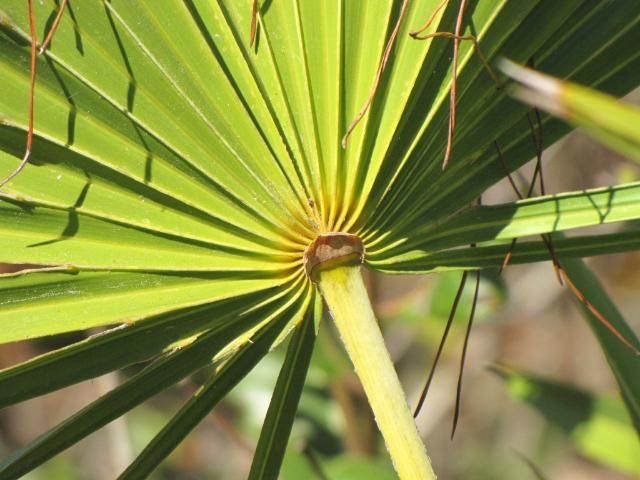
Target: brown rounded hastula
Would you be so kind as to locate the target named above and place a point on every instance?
(330, 250)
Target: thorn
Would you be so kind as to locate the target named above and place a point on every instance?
(507, 257)
(254, 22)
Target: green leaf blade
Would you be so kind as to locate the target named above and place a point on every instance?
(156, 377)
(275, 432)
(234, 369)
(610, 121)
(37, 304)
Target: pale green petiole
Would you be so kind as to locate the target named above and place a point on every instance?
(347, 299)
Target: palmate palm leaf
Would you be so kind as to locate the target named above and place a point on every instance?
(178, 175)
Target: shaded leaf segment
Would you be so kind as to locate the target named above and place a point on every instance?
(173, 87)
(204, 400)
(492, 256)
(38, 304)
(501, 223)
(286, 395)
(53, 237)
(159, 375)
(117, 348)
(419, 191)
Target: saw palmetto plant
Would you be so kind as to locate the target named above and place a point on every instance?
(206, 177)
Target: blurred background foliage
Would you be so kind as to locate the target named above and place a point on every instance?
(538, 400)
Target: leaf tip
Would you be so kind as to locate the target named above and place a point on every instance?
(535, 88)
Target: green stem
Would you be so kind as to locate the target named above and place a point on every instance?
(345, 294)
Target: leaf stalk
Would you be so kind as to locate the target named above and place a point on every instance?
(345, 294)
